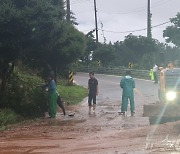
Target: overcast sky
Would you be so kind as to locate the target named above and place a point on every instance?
(122, 16)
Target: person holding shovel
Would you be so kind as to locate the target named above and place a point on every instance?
(52, 96)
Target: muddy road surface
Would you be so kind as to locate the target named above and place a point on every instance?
(102, 132)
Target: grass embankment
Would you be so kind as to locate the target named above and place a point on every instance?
(7, 117)
(71, 95)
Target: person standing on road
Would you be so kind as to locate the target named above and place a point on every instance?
(127, 84)
(151, 74)
(92, 91)
(52, 94)
(155, 70)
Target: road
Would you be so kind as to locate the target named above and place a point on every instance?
(104, 132)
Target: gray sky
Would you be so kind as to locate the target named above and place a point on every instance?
(124, 15)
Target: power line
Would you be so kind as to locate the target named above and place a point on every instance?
(88, 30)
(80, 1)
(136, 10)
(160, 4)
(130, 31)
(102, 29)
(155, 26)
(161, 24)
(89, 10)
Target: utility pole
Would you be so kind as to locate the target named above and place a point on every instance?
(95, 10)
(68, 19)
(68, 16)
(149, 30)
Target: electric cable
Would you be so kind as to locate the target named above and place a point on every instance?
(130, 31)
(79, 1)
(137, 10)
(102, 29)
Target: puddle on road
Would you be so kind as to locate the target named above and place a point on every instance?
(71, 122)
(110, 118)
(24, 149)
(44, 134)
(28, 137)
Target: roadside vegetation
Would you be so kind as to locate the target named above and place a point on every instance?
(35, 41)
(71, 95)
(7, 117)
(25, 98)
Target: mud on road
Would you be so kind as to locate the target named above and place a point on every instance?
(104, 132)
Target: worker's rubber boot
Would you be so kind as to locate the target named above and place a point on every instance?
(124, 114)
(132, 114)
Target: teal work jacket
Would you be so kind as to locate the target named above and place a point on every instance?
(127, 84)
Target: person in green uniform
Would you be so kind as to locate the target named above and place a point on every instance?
(52, 95)
(127, 84)
(151, 74)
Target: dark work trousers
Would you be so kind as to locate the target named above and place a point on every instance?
(92, 97)
(61, 105)
(155, 77)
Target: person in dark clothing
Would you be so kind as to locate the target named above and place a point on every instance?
(61, 104)
(92, 91)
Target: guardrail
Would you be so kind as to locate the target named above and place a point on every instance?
(144, 74)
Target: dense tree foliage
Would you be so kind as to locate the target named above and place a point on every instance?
(172, 33)
(91, 46)
(105, 54)
(133, 49)
(37, 33)
(139, 50)
(24, 94)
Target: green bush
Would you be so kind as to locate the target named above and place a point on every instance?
(25, 95)
(7, 116)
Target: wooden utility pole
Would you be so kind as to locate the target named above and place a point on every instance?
(149, 30)
(68, 19)
(68, 16)
(95, 10)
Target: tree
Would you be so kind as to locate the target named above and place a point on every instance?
(56, 43)
(172, 33)
(140, 45)
(11, 38)
(90, 47)
(105, 54)
(67, 50)
(137, 49)
(36, 32)
(123, 55)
